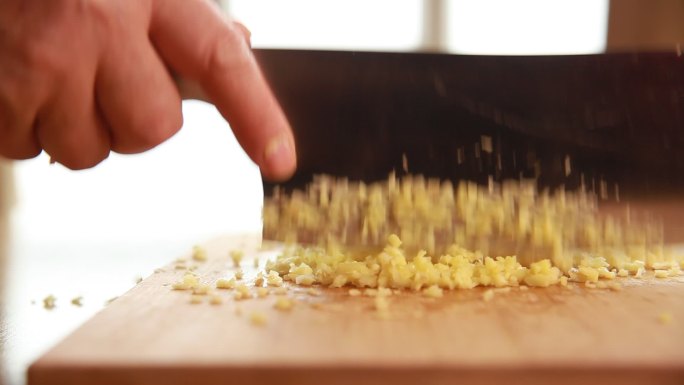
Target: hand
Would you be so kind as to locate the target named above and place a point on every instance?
(81, 78)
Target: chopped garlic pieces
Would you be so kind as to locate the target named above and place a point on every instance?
(225, 283)
(49, 302)
(236, 256)
(433, 291)
(283, 303)
(661, 273)
(665, 318)
(215, 299)
(199, 254)
(262, 292)
(258, 319)
(274, 279)
(189, 282)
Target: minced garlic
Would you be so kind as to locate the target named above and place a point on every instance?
(201, 289)
(280, 290)
(236, 256)
(354, 292)
(189, 282)
(433, 291)
(226, 283)
(665, 318)
(77, 301)
(313, 292)
(49, 302)
(215, 299)
(262, 292)
(283, 303)
(274, 279)
(242, 292)
(259, 280)
(488, 295)
(661, 273)
(239, 275)
(258, 319)
(199, 254)
(196, 299)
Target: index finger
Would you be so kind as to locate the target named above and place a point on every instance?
(200, 43)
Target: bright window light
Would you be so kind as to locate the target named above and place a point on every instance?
(527, 27)
(387, 25)
(198, 185)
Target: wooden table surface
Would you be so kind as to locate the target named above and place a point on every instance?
(154, 335)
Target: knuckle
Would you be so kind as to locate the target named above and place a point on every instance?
(227, 52)
(20, 152)
(148, 130)
(81, 160)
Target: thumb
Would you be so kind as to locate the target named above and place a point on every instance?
(200, 43)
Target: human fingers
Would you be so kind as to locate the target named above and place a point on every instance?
(199, 43)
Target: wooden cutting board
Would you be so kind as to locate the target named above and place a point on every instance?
(153, 335)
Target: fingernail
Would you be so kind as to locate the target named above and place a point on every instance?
(280, 157)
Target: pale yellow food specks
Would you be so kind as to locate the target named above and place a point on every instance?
(280, 290)
(381, 304)
(313, 292)
(409, 214)
(225, 283)
(239, 275)
(196, 299)
(433, 291)
(199, 254)
(258, 319)
(259, 280)
(354, 292)
(262, 292)
(661, 273)
(274, 279)
(188, 282)
(488, 295)
(242, 292)
(77, 301)
(665, 318)
(215, 299)
(49, 302)
(283, 303)
(201, 289)
(236, 256)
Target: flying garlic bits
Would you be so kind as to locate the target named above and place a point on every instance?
(505, 234)
(77, 301)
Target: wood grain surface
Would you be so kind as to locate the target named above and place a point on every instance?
(154, 335)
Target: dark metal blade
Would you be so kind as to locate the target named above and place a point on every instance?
(612, 122)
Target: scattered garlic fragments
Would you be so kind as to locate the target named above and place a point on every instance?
(258, 319)
(199, 254)
(49, 302)
(283, 303)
